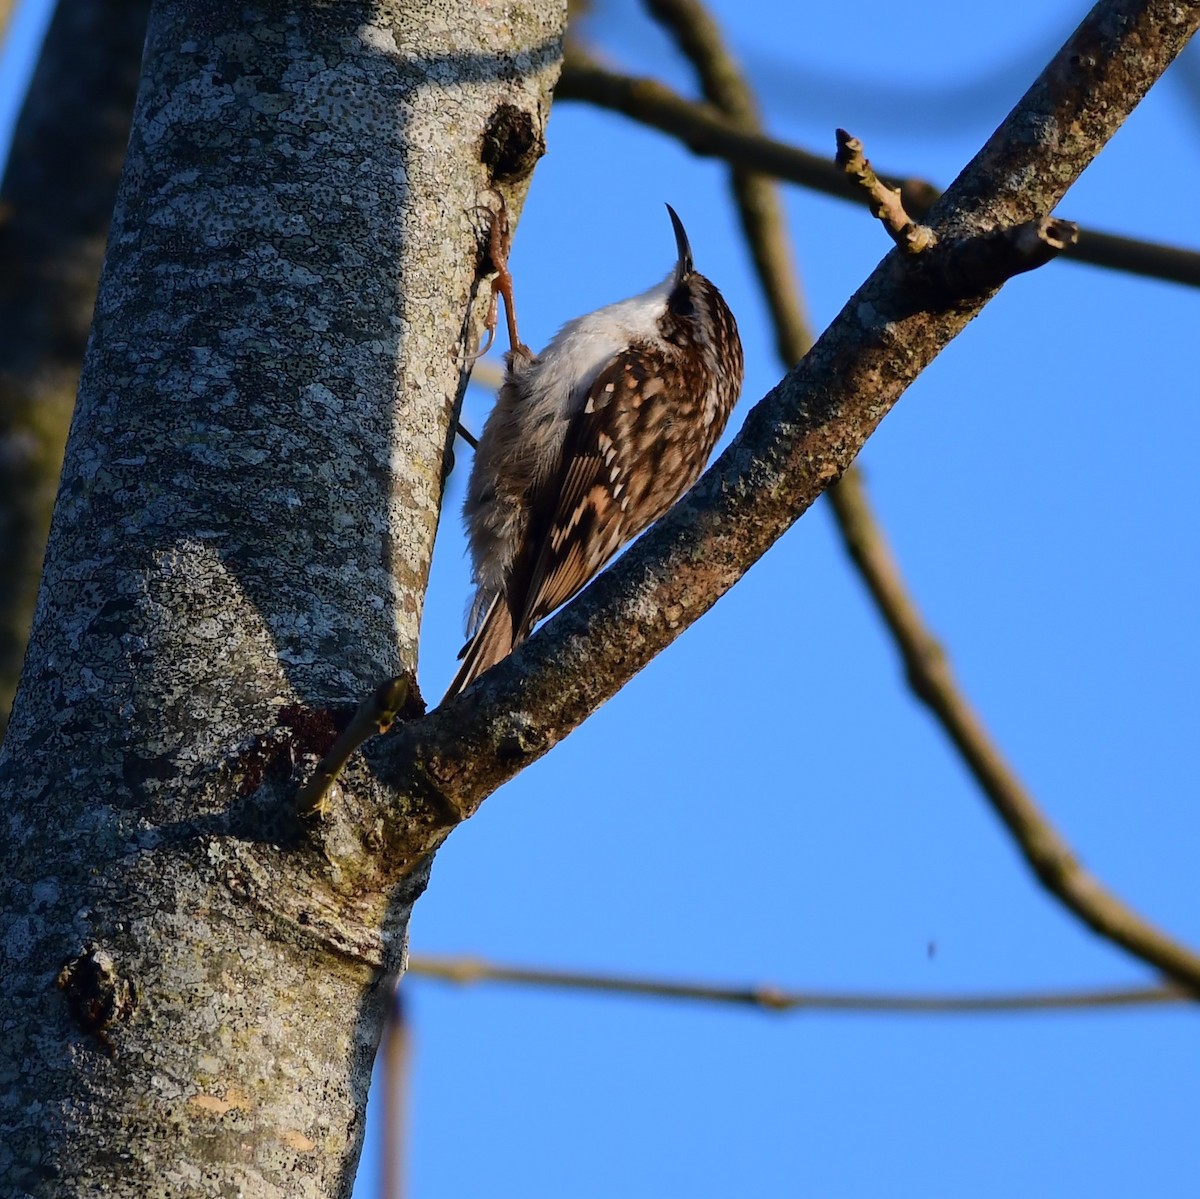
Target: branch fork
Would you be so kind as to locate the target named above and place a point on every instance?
(971, 266)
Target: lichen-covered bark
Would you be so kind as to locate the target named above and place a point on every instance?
(55, 204)
(194, 983)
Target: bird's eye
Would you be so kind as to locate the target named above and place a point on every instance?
(681, 303)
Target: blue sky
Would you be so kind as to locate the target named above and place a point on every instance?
(765, 802)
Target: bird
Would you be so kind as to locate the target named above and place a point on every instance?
(589, 443)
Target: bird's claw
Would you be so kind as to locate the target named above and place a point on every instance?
(499, 243)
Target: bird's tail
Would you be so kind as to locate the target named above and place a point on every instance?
(492, 642)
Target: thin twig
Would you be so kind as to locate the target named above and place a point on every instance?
(471, 970)
(707, 132)
(885, 202)
(983, 263)
(375, 715)
(396, 1055)
(932, 681)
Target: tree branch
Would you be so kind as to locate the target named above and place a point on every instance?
(467, 971)
(709, 134)
(931, 679)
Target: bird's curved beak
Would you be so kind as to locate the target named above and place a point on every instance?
(683, 267)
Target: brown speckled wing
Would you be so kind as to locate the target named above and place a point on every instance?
(632, 450)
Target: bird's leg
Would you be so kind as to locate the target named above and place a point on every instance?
(499, 243)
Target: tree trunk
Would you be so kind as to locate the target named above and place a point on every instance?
(239, 550)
